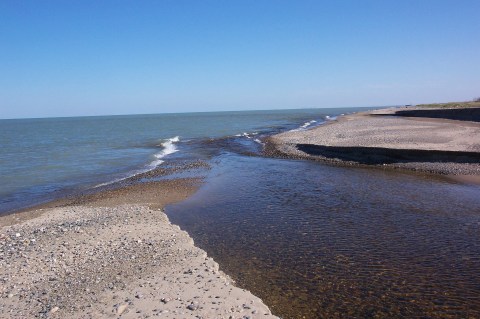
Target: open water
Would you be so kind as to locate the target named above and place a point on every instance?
(312, 240)
(41, 159)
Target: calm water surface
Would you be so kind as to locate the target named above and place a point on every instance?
(316, 241)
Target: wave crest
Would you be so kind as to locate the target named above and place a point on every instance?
(168, 146)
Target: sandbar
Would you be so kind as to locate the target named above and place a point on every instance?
(441, 141)
(113, 254)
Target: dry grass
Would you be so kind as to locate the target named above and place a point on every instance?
(452, 104)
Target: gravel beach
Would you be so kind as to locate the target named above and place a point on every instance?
(113, 254)
(440, 141)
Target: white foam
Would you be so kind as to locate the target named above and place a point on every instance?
(258, 141)
(307, 124)
(330, 118)
(304, 126)
(168, 148)
(123, 178)
(247, 135)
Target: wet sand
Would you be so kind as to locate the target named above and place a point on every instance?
(113, 254)
(440, 141)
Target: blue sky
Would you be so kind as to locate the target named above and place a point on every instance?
(67, 58)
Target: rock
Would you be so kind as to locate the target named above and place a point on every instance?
(192, 307)
(54, 309)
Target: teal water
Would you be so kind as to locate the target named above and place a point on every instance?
(312, 240)
(44, 158)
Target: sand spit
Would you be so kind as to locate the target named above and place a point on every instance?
(421, 142)
(97, 257)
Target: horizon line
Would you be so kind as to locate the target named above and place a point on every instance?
(186, 112)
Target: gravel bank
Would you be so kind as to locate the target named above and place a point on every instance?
(108, 259)
(381, 138)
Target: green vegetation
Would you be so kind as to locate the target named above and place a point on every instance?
(449, 105)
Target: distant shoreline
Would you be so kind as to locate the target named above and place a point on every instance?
(434, 140)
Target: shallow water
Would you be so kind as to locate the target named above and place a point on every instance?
(316, 241)
(41, 159)
(312, 240)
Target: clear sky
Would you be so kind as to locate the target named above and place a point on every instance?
(62, 58)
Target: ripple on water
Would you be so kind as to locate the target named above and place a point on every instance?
(329, 242)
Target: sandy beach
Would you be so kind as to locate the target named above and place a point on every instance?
(441, 141)
(113, 254)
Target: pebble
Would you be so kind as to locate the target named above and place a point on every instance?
(192, 307)
(121, 309)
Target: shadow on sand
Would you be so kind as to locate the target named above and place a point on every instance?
(379, 155)
(461, 114)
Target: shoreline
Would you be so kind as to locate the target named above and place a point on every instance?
(420, 141)
(112, 251)
(50, 257)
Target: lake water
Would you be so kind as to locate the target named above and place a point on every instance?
(41, 159)
(312, 240)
